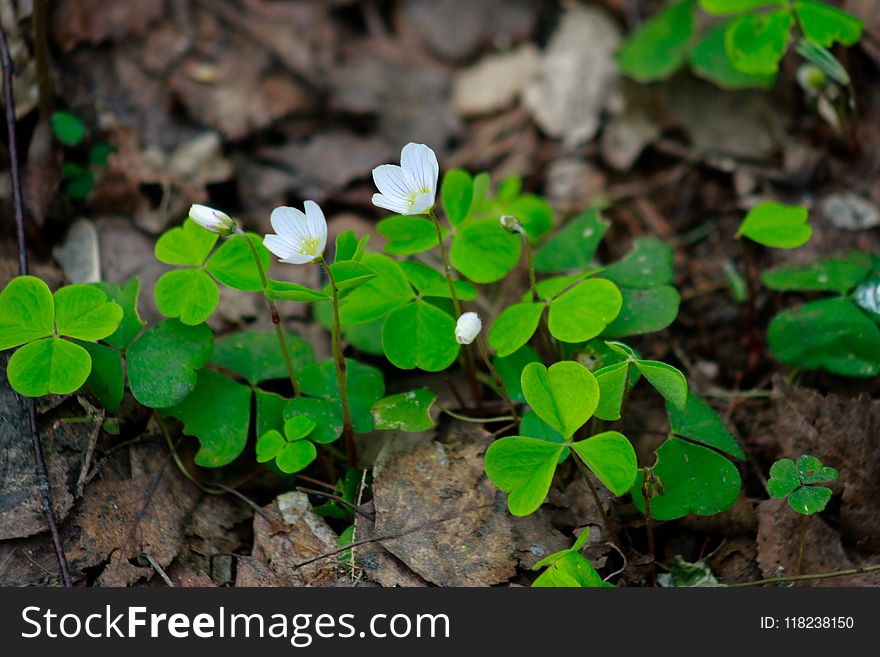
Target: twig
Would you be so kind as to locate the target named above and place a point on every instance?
(23, 269)
(800, 578)
(476, 420)
(161, 572)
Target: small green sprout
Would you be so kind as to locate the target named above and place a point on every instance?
(292, 451)
(801, 483)
(569, 568)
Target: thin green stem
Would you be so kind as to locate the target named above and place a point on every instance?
(467, 355)
(800, 557)
(609, 528)
(347, 427)
(497, 377)
(476, 420)
(533, 283)
(802, 578)
(276, 318)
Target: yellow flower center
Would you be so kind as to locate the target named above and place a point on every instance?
(309, 246)
(414, 195)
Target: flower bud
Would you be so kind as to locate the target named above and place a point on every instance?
(468, 328)
(213, 220)
(511, 224)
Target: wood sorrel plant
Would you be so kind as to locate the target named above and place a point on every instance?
(558, 367)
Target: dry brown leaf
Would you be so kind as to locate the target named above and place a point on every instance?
(95, 21)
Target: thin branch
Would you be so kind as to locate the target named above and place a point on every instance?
(800, 578)
(23, 269)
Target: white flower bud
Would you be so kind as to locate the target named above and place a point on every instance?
(213, 220)
(468, 328)
(511, 224)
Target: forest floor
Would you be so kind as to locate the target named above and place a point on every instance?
(250, 104)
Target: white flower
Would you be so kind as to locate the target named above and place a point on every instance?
(468, 328)
(409, 188)
(213, 220)
(301, 238)
(511, 224)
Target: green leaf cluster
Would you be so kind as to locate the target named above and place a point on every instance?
(801, 483)
(741, 49)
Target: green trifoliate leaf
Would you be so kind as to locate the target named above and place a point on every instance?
(611, 457)
(420, 335)
(85, 313)
(107, 378)
(514, 327)
(699, 423)
(431, 283)
(667, 380)
(756, 43)
(648, 264)
(218, 413)
(68, 128)
(574, 246)
(408, 235)
(523, 468)
(27, 311)
(552, 287)
(188, 245)
(829, 275)
(695, 479)
(827, 25)
(612, 381)
(777, 225)
(406, 411)
(723, 7)
(162, 364)
(572, 570)
(644, 311)
(188, 294)
(533, 426)
(484, 252)
(709, 60)
(510, 369)
(48, 366)
(660, 46)
(233, 263)
(388, 291)
(584, 311)
(457, 192)
(564, 396)
(831, 334)
(257, 356)
(127, 297)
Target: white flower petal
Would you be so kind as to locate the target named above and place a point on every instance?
(422, 203)
(394, 204)
(392, 182)
(421, 163)
(298, 259)
(288, 222)
(317, 224)
(278, 245)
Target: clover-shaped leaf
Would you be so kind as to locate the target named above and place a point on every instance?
(828, 275)
(523, 468)
(32, 319)
(799, 483)
(405, 411)
(699, 423)
(667, 380)
(709, 60)
(827, 25)
(408, 235)
(457, 193)
(660, 46)
(694, 479)
(420, 335)
(777, 225)
(389, 290)
(126, 296)
(648, 264)
(570, 570)
(614, 378)
(291, 451)
(564, 396)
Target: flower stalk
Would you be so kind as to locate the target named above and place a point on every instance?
(336, 336)
(276, 317)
